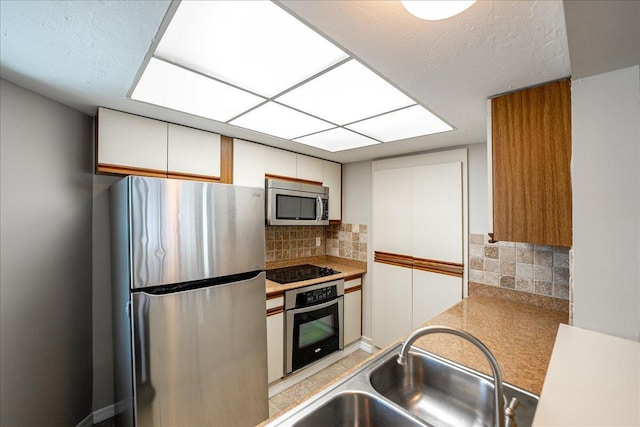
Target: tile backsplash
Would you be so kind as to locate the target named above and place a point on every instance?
(290, 242)
(537, 269)
(347, 241)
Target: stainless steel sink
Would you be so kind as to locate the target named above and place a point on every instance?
(356, 409)
(445, 394)
(427, 391)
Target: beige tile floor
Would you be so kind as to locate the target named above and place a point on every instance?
(308, 386)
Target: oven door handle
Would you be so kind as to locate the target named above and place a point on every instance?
(314, 307)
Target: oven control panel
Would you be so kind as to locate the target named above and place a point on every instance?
(314, 294)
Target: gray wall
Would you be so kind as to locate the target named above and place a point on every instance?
(45, 267)
(606, 202)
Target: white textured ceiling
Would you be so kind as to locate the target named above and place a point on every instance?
(87, 53)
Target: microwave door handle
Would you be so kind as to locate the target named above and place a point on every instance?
(319, 201)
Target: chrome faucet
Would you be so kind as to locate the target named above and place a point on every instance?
(497, 375)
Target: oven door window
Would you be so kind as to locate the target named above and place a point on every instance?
(316, 333)
(295, 207)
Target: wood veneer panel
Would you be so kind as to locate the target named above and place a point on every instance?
(435, 266)
(192, 177)
(532, 165)
(226, 159)
(288, 178)
(124, 170)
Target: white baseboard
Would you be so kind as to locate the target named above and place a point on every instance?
(97, 416)
(87, 421)
(366, 344)
(105, 413)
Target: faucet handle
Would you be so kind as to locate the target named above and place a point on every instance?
(510, 413)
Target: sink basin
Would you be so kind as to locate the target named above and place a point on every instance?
(444, 394)
(355, 409)
(427, 391)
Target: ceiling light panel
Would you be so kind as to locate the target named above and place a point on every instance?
(174, 87)
(348, 93)
(278, 120)
(252, 44)
(337, 139)
(406, 123)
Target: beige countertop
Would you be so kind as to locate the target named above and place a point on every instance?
(521, 337)
(594, 380)
(346, 267)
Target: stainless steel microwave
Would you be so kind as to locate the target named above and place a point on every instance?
(293, 203)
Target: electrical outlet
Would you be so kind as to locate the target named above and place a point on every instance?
(318, 241)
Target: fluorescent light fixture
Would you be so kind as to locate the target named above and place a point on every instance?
(345, 94)
(278, 120)
(255, 45)
(435, 10)
(174, 87)
(406, 123)
(336, 139)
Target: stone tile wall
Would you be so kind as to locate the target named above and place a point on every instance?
(347, 241)
(537, 269)
(289, 242)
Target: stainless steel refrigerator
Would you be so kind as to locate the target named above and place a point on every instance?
(189, 303)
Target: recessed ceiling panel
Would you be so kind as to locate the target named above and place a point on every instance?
(348, 93)
(406, 123)
(252, 44)
(173, 87)
(278, 120)
(337, 139)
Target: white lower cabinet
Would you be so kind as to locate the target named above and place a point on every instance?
(352, 311)
(275, 340)
(392, 301)
(433, 293)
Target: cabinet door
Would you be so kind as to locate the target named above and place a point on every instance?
(308, 168)
(433, 293)
(437, 212)
(275, 346)
(332, 178)
(193, 152)
(131, 142)
(531, 165)
(392, 211)
(392, 293)
(352, 316)
(280, 162)
(248, 163)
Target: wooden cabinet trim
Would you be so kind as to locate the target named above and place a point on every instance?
(275, 310)
(193, 177)
(274, 296)
(406, 261)
(124, 170)
(288, 178)
(353, 289)
(226, 159)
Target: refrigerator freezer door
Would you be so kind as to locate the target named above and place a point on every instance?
(201, 356)
(187, 230)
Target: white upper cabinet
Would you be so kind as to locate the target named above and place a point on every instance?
(437, 212)
(332, 178)
(308, 168)
(130, 141)
(280, 162)
(193, 152)
(392, 199)
(248, 163)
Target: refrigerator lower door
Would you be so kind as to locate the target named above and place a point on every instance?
(201, 356)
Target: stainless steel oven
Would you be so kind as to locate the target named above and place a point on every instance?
(314, 328)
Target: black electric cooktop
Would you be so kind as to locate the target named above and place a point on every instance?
(299, 273)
